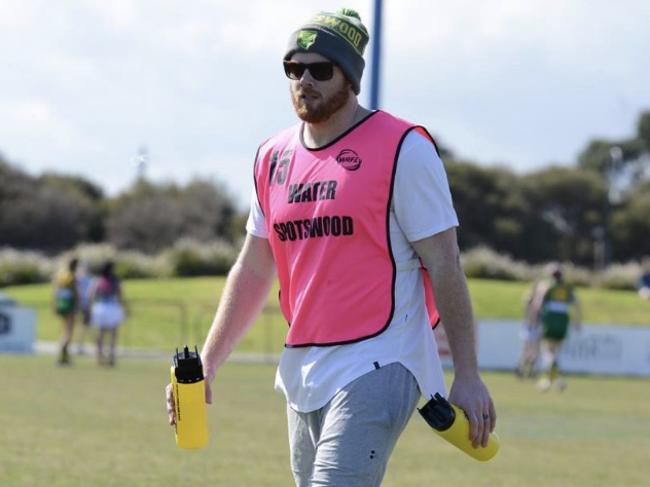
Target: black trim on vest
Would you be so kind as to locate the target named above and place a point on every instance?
(390, 252)
(433, 141)
(339, 137)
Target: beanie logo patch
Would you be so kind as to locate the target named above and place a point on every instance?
(306, 38)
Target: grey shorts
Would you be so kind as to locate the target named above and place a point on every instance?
(347, 443)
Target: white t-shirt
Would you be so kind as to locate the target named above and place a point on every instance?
(421, 206)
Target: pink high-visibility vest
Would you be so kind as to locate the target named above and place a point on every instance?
(327, 215)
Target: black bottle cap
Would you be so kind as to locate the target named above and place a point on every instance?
(438, 413)
(187, 366)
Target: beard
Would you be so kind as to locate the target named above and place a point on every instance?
(320, 109)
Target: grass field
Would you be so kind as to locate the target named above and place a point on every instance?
(175, 311)
(85, 426)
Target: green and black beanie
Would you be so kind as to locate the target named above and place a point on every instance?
(339, 36)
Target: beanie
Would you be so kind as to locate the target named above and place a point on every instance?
(339, 36)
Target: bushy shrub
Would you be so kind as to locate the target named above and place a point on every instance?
(91, 255)
(620, 276)
(132, 264)
(128, 264)
(191, 258)
(482, 262)
(18, 267)
(578, 276)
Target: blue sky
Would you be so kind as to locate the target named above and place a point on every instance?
(84, 84)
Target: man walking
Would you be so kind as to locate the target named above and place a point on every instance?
(352, 211)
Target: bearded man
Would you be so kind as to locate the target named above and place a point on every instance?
(352, 211)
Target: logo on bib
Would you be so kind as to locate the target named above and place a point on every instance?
(349, 159)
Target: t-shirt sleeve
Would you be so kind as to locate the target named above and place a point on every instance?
(255, 225)
(421, 196)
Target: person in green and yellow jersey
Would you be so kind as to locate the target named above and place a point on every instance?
(66, 299)
(558, 308)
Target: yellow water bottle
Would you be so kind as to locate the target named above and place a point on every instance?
(450, 422)
(188, 385)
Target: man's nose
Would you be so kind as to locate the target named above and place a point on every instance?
(306, 78)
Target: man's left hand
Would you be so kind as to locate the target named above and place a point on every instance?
(470, 394)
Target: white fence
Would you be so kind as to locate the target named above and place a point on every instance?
(595, 349)
(17, 329)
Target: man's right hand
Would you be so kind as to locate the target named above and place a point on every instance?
(171, 410)
(169, 396)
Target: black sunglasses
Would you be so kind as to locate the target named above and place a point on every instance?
(322, 71)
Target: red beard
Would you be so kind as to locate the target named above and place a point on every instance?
(311, 107)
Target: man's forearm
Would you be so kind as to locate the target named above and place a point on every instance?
(243, 297)
(455, 308)
(441, 257)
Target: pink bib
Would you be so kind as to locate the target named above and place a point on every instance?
(327, 213)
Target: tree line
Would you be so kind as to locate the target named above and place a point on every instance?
(596, 210)
(53, 212)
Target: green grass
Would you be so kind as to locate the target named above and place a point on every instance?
(170, 312)
(85, 426)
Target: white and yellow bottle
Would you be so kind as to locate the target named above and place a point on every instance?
(450, 422)
(188, 386)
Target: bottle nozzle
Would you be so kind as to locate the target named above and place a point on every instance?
(188, 365)
(438, 413)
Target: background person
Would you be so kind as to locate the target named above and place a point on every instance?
(84, 289)
(107, 312)
(644, 280)
(558, 308)
(530, 332)
(348, 205)
(66, 301)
